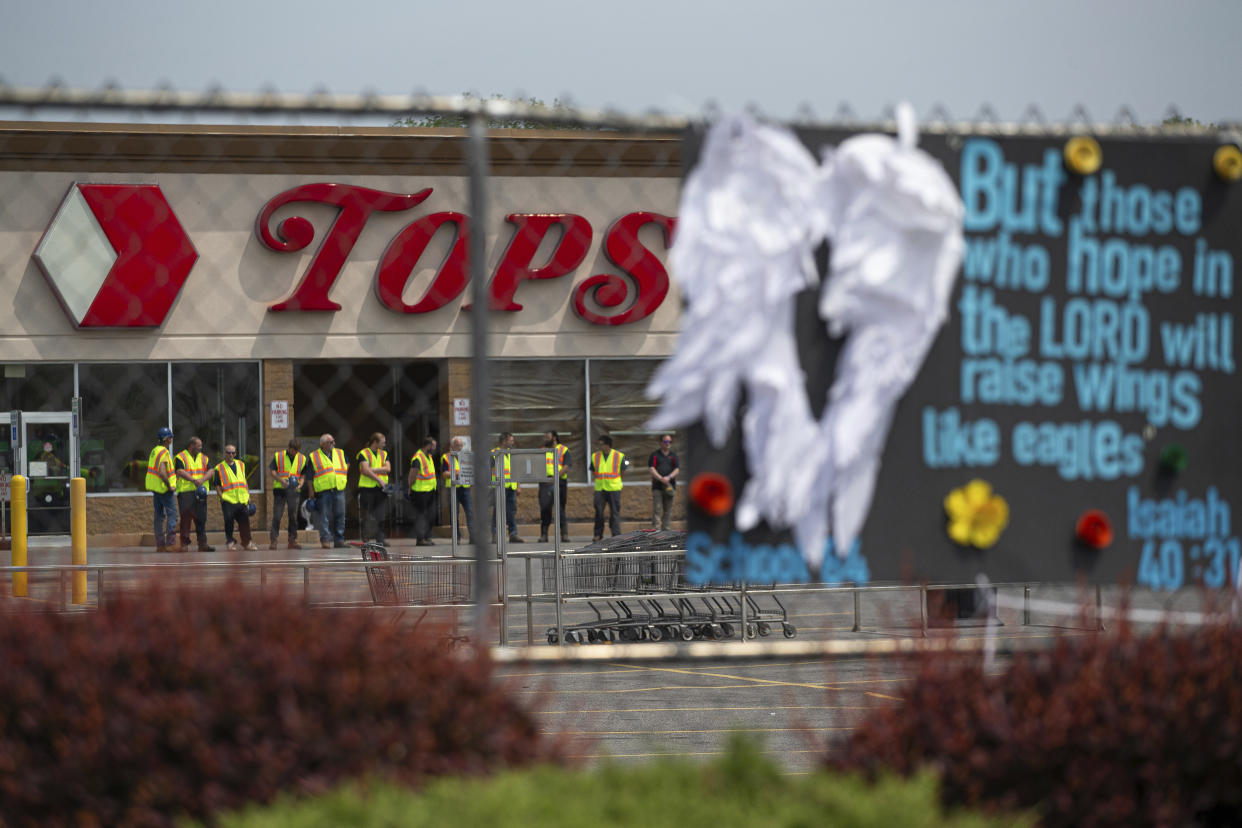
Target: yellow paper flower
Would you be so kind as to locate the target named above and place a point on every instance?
(976, 515)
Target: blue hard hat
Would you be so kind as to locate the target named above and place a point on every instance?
(164, 433)
(310, 504)
(201, 493)
(251, 509)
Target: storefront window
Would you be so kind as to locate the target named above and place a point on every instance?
(31, 387)
(36, 387)
(220, 402)
(352, 400)
(123, 406)
(530, 397)
(620, 409)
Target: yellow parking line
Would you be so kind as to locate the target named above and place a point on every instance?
(687, 732)
(762, 664)
(706, 709)
(566, 673)
(661, 688)
(672, 753)
(768, 682)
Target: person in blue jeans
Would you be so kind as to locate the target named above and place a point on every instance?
(329, 469)
(160, 483)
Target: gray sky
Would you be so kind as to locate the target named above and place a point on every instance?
(675, 56)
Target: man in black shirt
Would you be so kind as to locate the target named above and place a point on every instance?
(664, 469)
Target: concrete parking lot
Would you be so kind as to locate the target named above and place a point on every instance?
(636, 701)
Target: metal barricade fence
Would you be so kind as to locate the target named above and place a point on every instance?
(371, 269)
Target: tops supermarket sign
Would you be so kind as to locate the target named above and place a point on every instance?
(356, 205)
(116, 255)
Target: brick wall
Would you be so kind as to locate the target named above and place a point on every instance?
(277, 385)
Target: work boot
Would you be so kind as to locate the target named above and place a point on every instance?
(294, 545)
(543, 538)
(272, 546)
(161, 549)
(206, 547)
(515, 539)
(424, 542)
(325, 544)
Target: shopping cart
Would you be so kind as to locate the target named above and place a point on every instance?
(419, 581)
(635, 586)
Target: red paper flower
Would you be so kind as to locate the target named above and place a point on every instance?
(1094, 529)
(712, 493)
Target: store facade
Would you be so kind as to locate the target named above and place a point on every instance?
(252, 285)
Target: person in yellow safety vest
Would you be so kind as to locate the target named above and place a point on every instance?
(373, 471)
(506, 442)
(160, 481)
(423, 495)
(287, 470)
(452, 469)
(329, 470)
(552, 442)
(234, 499)
(193, 470)
(607, 466)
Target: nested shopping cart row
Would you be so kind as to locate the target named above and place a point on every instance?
(634, 585)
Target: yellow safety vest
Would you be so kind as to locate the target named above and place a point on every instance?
(607, 471)
(233, 482)
(425, 475)
(286, 467)
(452, 468)
(374, 461)
(330, 472)
(509, 484)
(560, 460)
(195, 464)
(159, 459)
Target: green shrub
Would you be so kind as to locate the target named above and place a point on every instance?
(1107, 730)
(743, 789)
(184, 702)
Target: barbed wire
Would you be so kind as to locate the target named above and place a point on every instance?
(269, 102)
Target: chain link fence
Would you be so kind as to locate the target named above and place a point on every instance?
(260, 270)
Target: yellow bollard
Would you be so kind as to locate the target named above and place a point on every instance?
(77, 535)
(18, 491)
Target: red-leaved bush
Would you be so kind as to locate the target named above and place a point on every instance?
(1108, 730)
(179, 702)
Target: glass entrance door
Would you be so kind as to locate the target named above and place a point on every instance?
(48, 457)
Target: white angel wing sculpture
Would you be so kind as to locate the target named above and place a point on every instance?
(895, 221)
(752, 213)
(741, 253)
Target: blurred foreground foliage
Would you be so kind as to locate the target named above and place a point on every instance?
(741, 789)
(1116, 729)
(175, 702)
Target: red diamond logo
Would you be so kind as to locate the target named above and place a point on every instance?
(116, 256)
